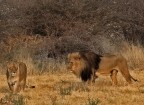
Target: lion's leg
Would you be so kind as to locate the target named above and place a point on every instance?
(97, 74)
(114, 77)
(125, 72)
(93, 75)
(16, 87)
(88, 82)
(23, 85)
(128, 79)
(10, 86)
(126, 75)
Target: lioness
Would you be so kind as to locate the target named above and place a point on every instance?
(16, 76)
(88, 66)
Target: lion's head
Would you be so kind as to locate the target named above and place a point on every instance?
(12, 68)
(82, 64)
(75, 63)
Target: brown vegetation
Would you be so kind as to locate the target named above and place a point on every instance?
(67, 17)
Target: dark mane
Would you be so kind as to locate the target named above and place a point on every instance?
(93, 61)
(86, 74)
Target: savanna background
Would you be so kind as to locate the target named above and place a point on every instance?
(41, 33)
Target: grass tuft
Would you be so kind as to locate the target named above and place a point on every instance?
(12, 99)
(93, 101)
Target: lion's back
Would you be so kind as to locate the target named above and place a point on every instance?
(109, 62)
(22, 69)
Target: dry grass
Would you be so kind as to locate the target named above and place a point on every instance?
(56, 86)
(66, 89)
(134, 55)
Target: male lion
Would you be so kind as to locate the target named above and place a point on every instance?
(16, 76)
(88, 66)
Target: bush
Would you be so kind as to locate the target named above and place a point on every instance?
(36, 31)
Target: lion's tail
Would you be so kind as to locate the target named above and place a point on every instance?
(30, 86)
(134, 79)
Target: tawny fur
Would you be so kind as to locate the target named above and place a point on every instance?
(16, 76)
(93, 65)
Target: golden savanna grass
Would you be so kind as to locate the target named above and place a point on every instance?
(66, 89)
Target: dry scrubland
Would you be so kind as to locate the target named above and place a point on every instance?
(57, 86)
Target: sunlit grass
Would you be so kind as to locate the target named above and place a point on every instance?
(66, 89)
